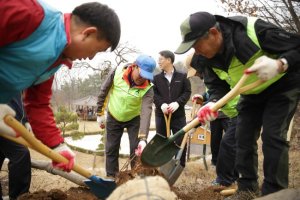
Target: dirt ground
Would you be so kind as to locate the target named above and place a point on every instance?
(194, 183)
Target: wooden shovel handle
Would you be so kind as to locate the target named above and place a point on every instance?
(18, 140)
(238, 89)
(168, 123)
(40, 147)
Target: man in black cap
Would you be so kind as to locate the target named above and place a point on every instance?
(228, 47)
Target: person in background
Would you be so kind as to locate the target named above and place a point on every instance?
(172, 90)
(229, 47)
(217, 128)
(19, 165)
(34, 45)
(130, 102)
(225, 157)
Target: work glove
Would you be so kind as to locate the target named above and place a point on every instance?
(101, 121)
(140, 147)
(5, 129)
(28, 127)
(198, 98)
(65, 151)
(173, 107)
(266, 68)
(205, 114)
(164, 108)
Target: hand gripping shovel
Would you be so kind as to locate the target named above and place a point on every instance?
(99, 186)
(160, 149)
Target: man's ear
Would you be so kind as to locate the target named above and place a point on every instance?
(88, 31)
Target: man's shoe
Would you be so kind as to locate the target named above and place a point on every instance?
(215, 183)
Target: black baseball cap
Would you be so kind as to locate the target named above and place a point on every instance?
(194, 27)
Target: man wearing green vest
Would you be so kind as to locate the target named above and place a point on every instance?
(228, 48)
(129, 106)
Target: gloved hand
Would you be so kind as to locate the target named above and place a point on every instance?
(28, 126)
(140, 148)
(173, 107)
(65, 151)
(265, 68)
(5, 129)
(198, 98)
(164, 108)
(101, 121)
(205, 114)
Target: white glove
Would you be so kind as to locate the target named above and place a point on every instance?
(5, 129)
(173, 107)
(205, 114)
(164, 108)
(198, 98)
(140, 148)
(28, 126)
(65, 151)
(265, 68)
(101, 121)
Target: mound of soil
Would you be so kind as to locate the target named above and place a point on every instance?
(79, 193)
(196, 192)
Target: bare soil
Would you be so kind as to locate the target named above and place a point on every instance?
(193, 184)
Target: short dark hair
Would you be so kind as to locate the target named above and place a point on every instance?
(168, 54)
(102, 17)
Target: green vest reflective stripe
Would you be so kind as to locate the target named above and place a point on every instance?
(125, 102)
(236, 70)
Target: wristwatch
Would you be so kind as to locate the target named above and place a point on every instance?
(284, 65)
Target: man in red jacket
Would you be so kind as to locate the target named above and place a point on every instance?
(35, 40)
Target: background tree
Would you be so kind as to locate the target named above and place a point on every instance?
(283, 13)
(66, 120)
(86, 76)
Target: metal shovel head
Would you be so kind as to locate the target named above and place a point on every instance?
(158, 151)
(172, 169)
(175, 174)
(167, 168)
(102, 188)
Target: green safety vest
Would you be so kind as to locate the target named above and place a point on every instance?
(236, 70)
(125, 102)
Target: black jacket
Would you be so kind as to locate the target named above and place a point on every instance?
(178, 90)
(17, 105)
(237, 43)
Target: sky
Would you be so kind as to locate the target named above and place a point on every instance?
(149, 25)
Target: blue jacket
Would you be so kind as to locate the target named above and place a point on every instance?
(28, 61)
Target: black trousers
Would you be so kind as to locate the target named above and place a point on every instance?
(217, 128)
(114, 132)
(175, 125)
(225, 168)
(19, 167)
(270, 111)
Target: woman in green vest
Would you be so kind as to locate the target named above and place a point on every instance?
(229, 47)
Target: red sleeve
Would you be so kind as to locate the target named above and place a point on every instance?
(40, 115)
(19, 19)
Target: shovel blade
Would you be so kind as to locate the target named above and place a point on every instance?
(175, 174)
(100, 187)
(167, 168)
(158, 151)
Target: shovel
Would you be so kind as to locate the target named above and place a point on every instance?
(172, 169)
(99, 186)
(160, 149)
